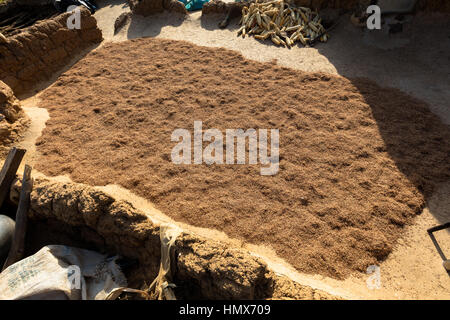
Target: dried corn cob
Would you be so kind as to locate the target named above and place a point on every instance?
(279, 21)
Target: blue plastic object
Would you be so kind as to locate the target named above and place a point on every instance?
(192, 5)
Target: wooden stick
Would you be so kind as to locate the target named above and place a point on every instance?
(18, 244)
(8, 172)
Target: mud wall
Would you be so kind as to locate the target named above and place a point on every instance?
(148, 7)
(201, 268)
(42, 49)
(13, 120)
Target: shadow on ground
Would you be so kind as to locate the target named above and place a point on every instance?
(416, 138)
(139, 26)
(111, 3)
(415, 60)
(40, 86)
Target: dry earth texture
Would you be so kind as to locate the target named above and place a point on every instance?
(13, 120)
(37, 52)
(357, 161)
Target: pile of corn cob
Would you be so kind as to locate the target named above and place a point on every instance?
(283, 23)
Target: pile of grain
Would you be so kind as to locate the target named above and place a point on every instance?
(357, 161)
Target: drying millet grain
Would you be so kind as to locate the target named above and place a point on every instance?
(357, 161)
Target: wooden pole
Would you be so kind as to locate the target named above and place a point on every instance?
(17, 250)
(8, 172)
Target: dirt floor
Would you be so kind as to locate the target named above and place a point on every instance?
(413, 61)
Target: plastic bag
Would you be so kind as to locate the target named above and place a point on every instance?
(192, 5)
(62, 272)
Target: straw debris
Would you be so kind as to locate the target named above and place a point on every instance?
(282, 23)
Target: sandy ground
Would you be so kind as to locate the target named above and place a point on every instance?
(417, 64)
